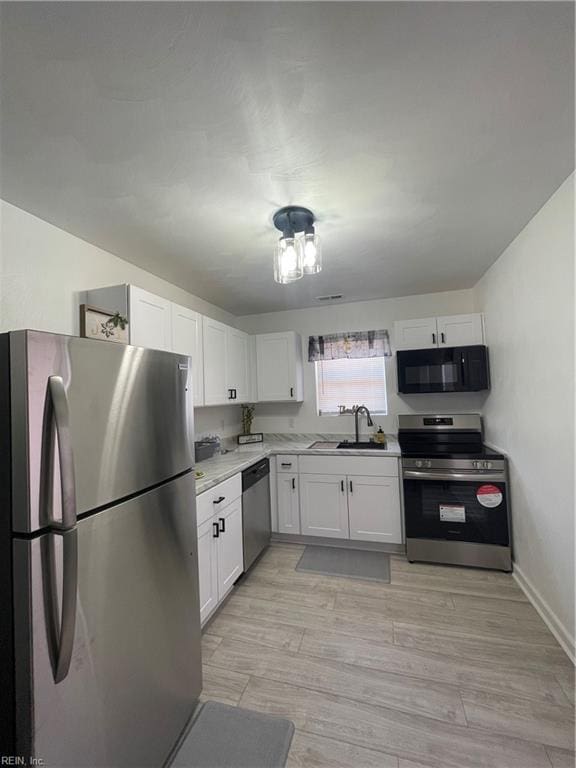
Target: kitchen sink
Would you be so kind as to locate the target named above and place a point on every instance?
(327, 446)
(369, 446)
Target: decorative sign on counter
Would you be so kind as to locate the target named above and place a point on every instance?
(257, 437)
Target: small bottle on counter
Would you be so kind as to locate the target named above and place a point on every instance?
(380, 437)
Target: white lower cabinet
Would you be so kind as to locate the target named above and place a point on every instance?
(288, 503)
(230, 549)
(323, 506)
(374, 509)
(220, 546)
(207, 569)
(353, 497)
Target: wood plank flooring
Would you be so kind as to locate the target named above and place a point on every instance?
(442, 668)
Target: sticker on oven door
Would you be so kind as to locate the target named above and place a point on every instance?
(489, 496)
(452, 513)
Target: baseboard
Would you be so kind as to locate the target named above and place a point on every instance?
(325, 541)
(565, 639)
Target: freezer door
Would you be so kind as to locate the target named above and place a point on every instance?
(135, 671)
(131, 422)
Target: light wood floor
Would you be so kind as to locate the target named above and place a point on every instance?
(442, 667)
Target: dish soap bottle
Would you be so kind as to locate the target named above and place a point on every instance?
(380, 437)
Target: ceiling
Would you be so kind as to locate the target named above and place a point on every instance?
(423, 135)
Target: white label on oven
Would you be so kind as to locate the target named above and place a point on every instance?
(452, 513)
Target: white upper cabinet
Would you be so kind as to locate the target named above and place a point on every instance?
(415, 334)
(226, 364)
(215, 378)
(237, 362)
(460, 330)
(446, 331)
(150, 320)
(279, 367)
(187, 340)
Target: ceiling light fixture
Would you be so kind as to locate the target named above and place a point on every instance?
(298, 251)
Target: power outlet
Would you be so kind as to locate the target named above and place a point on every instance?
(291, 423)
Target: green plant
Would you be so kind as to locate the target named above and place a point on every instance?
(247, 417)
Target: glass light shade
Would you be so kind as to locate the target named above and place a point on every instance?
(288, 260)
(312, 254)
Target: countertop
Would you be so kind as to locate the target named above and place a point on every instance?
(223, 466)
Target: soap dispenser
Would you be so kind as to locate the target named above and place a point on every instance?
(380, 437)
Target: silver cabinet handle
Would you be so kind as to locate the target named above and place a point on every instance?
(61, 411)
(62, 628)
(476, 476)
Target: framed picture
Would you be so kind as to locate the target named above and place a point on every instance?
(100, 324)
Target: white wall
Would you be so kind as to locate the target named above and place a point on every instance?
(43, 269)
(359, 316)
(528, 300)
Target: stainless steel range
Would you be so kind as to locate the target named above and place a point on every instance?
(456, 500)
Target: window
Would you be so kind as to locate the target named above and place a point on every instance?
(360, 381)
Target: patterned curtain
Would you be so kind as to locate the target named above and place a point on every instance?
(353, 344)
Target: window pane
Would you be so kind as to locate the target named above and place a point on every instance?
(351, 382)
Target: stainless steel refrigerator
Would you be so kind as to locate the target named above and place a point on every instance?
(100, 661)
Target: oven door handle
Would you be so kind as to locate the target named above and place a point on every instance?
(497, 477)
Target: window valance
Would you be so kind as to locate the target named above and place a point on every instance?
(353, 344)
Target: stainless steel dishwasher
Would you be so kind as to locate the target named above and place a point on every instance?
(255, 510)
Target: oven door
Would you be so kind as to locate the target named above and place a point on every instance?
(472, 510)
(447, 369)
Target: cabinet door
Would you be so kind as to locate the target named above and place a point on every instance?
(415, 334)
(288, 503)
(323, 506)
(187, 340)
(237, 362)
(276, 362)
(460, 330)
(150, 320)
(374, 509)
(214, 338)
(207, 569)
(230, 547)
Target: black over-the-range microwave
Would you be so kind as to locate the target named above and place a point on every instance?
(443, 369)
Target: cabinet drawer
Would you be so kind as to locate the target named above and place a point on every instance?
(206, 505)
(386, 466)
(287, 463)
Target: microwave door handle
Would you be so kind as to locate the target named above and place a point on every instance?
(463, 367)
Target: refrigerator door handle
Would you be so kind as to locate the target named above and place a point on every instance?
(61, 413)
(62, 627)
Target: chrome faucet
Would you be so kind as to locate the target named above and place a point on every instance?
(357, 411)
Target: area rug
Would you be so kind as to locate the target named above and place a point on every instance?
(353, 563)
(222, 736)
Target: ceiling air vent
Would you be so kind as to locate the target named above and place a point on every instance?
(333, 297)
